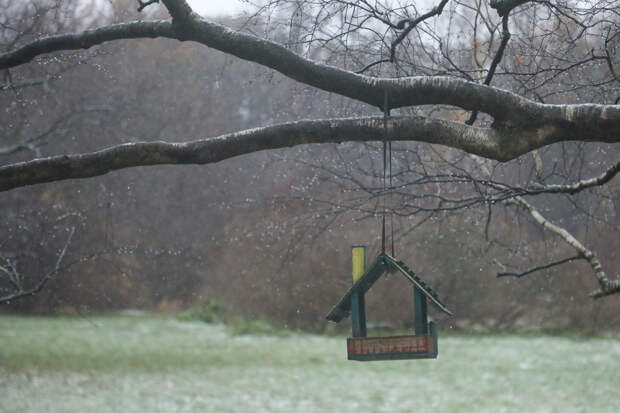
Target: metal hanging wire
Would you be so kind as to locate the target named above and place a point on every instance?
(385, 139)
(392, 246)
(387, 166)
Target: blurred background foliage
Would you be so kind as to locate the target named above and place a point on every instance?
(265, 236)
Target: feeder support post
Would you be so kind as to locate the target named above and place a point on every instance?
(420, 315)
(358, 306)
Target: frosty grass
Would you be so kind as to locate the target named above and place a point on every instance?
(157, 364)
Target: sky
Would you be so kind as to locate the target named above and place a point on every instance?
(214, 8)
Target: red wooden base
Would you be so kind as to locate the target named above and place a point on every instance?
(392, 348)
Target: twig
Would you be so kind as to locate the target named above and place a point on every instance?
(34, 143)
(539, 268)
(436, 11)
(498, 57)
(579, 186)
(359, 72)
(144, 4)
(39, 286)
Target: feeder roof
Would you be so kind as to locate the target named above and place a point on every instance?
(383, 263)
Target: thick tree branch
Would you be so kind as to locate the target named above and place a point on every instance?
(180, 11)
(86, 39)
(508, 109)
(504, 7)
(500, 144)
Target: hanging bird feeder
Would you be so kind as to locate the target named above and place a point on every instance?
(423, 344)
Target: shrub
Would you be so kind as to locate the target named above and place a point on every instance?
(210, 310)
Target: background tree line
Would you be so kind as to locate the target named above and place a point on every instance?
(269, 233)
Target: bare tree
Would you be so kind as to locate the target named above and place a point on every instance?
(493, 80)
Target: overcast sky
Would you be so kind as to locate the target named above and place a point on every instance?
(216, 7)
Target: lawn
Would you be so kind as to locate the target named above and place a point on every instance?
(161, 364)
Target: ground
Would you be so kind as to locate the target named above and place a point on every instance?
(161, 364)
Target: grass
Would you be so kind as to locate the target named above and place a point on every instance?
(158, 364)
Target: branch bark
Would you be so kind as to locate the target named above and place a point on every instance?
(508, 109)
(86, 40)
(504, 7)
(502, 145)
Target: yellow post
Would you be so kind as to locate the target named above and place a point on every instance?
(358, 255)
(358, 305)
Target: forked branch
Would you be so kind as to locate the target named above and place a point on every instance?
(579, 186)
(12, 275)
(409, 25)
(143, 4)
(606, 286)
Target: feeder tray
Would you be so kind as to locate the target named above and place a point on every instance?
(359, 347)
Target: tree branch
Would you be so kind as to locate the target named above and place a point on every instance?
(20, 292)
(607, 286)
(86, 39)
(579, 186)
(504, 7)
(496, 59)
(34, 143)
(180, 11)
(502, 145)
(143, 4)
(612, 287)
(539, 268)
(436, 11)
(508, 109)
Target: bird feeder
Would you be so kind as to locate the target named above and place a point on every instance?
(421, 345)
